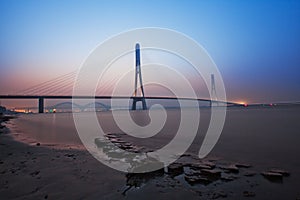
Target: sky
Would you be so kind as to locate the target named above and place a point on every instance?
(255, 44)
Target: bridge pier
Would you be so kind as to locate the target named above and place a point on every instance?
(137, 99)
(41, 105)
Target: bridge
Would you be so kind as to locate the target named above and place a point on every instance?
(136, 99)
(45, 90)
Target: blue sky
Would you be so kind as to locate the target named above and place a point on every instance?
(255, 44)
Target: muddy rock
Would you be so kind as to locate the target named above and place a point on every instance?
(249, 173)
(197, 179)
(280, 171)
(175, 169)
(219, 194)
(248, 194)
(199, 166)
(272, 176)
(227, 178)
(212, 172)
(242, 165)
(230, 168)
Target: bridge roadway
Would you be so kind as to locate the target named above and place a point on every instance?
(42, 97)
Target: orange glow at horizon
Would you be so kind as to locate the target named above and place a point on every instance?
(244, 103)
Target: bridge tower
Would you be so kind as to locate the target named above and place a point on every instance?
(138, 77)
(214, 98)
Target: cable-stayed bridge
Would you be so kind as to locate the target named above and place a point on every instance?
(61, 88)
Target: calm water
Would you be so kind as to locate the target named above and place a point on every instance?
(260, 135)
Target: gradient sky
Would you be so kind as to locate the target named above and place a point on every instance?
(255, 44)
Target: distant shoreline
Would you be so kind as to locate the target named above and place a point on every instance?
(254, 105)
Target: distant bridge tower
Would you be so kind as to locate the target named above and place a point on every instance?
(138, 76)
(214, 98)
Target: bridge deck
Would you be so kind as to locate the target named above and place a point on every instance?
(93, 97)
(41, 98)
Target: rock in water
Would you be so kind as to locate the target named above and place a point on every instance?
(248, 194)
(199, 166)
(219, 194)
(227, 178)
(175, 169)
(230, 168)
(242, 165)
(271, 176)
(280, 171)
(249, 173)
(196, 179)
(211, 172)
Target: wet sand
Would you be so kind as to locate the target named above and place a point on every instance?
(33, 166)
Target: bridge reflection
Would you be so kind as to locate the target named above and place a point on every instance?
(90, 106)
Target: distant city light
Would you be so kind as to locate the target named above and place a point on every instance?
(242, 103)
(52, 110)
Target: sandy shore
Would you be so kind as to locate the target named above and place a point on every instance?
(30, 169)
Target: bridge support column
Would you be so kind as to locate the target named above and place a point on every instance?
(214, 98)
(137, 99)
(41, 105)
(138, 77)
